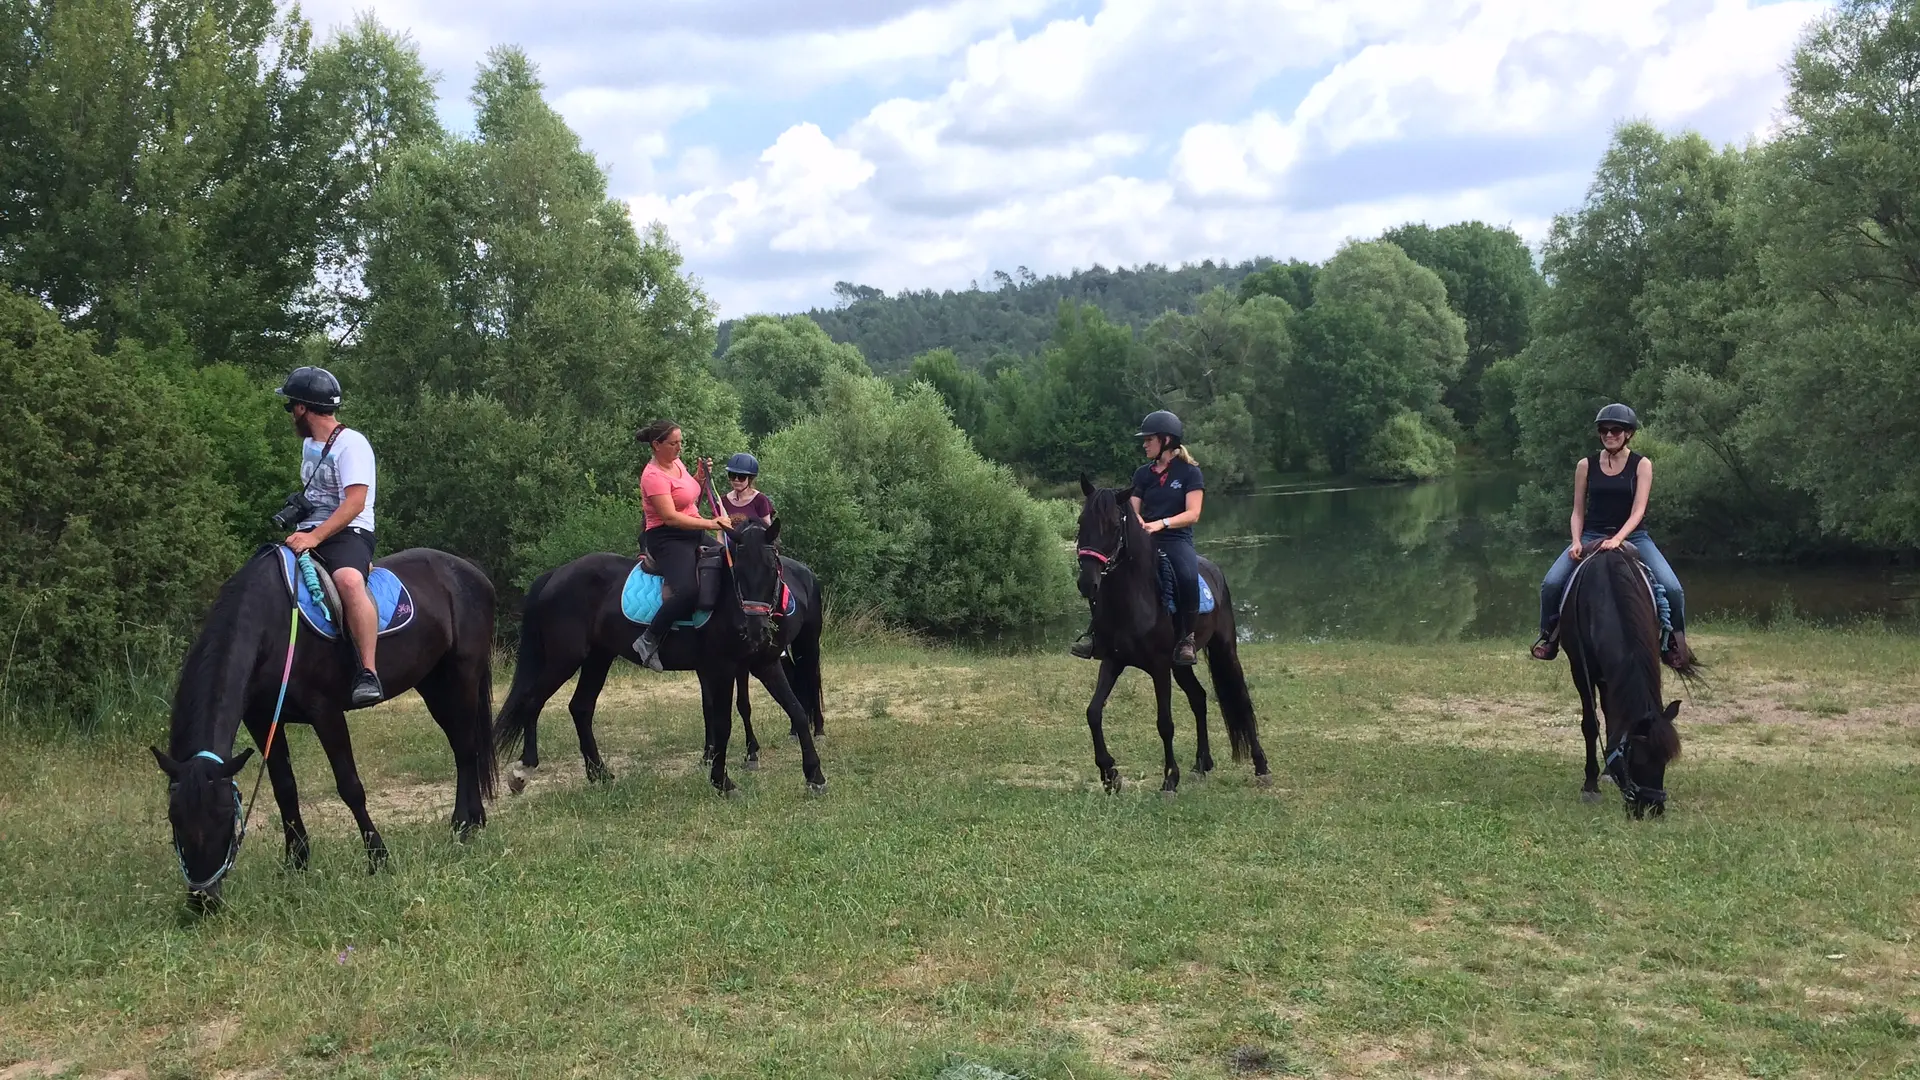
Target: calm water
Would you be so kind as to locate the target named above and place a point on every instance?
(1430, 562)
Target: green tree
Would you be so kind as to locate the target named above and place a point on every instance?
(1291, 281)
(1224, 369)
(1491, 284)
(965, 391)
(114, 520)
(1411, 301)
(777, 366)
(1352, 374)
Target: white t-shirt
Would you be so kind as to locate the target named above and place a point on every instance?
(349, 463)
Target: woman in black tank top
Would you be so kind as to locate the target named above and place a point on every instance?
(1610, 492)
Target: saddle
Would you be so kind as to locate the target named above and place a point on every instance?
(644, 589)
(309, 584)
(1654, 590)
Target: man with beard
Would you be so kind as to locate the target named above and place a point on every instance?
(336, 475)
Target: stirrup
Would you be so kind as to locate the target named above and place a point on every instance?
(1184, 652)
(1082, 646)
(1547, 648)
(647, 650)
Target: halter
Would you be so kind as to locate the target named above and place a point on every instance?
(1108, 561)
(1630, 791)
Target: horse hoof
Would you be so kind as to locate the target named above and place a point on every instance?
(817, 789)
(1589, 797)
(1168, 793)
(752, 764)
(1263, 779)
(1113, 783)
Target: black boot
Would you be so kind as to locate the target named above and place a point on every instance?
(1082, 646)
(367, 689)
(648, 648)
(1183, 653)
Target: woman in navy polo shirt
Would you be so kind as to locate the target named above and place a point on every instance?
(1167, 492)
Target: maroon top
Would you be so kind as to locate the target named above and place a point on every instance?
(759, 507)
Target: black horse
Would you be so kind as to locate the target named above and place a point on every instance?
(573, 622)
(1611, 633)
(1120, 576)
(233, 675)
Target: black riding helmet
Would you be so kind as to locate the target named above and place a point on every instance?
(743, 464)
(1617, 413)
(312, 386)
(1162, 423)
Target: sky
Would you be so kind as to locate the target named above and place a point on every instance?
(908, 144)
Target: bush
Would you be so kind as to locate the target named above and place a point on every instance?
(1407, 449)
(115, 526)
(889, 503)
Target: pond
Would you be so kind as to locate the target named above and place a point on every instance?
(1432, 562)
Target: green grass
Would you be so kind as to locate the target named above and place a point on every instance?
(1420, 893)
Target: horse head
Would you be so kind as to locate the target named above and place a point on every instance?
(1102, 539)
(1639, 762)
(203, 803)
(756, 575)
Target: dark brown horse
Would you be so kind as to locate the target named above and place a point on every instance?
(233, 675)
(573, 623)
(1611, 633)
(1120, 576)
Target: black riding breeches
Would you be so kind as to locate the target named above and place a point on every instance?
(676, 555)
(1186, 581)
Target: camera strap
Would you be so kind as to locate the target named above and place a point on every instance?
(307, 487)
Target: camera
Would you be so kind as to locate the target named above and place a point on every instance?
(297, 507)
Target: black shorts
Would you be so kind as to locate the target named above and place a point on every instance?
(348, 549)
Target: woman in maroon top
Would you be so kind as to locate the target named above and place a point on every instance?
(743, 501)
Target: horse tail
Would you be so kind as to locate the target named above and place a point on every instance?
(1236, 702)
(512, 722)
(806, 660)
(486, 762)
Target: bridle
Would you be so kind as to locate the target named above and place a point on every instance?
(233, 845)
(1630, 791)
(1108, 560)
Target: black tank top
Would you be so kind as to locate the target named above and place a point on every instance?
(1610, 498)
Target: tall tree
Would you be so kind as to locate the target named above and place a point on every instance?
(1491, 284)
(777, 366)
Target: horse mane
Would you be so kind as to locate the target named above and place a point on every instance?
(210, 668)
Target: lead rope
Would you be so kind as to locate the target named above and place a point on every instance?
(286, 675)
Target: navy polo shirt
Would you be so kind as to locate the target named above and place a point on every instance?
(1164, 494)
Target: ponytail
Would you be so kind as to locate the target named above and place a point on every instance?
(655, 431)
(1181, 453)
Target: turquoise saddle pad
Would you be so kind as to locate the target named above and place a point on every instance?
(390, 598)
(640, 600)
(1167, 587)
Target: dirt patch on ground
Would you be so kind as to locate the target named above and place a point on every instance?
(1043, 777)
(1758, 723)
(1126, 1038)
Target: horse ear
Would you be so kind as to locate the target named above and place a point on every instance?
(167, 764)
(773, 531)
(1672, 711)
(1086, 486)
(232, 768)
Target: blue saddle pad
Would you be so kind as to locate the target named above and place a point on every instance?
(1166, 587)
(391, 600)
(640, 600)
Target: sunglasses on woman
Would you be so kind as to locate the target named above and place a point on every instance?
(1613, 431)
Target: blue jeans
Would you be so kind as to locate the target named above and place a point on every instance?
(1186, 580)
(1555, 586)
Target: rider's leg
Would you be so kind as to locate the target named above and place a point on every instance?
(676, 554)
(1552, 588)
(362, 620)
(1662, 572)
(1186, 595)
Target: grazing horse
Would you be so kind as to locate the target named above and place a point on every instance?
(1611, 634)
(574, 622)
(234, 674)
(1120, 576)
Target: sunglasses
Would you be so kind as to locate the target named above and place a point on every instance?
(289, 406)
(738, 476)
(1614, 430)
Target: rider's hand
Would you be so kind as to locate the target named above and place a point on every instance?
(703, 469)
(1155, 526)
(1578, 551)
(302, 541)
(1611, 543)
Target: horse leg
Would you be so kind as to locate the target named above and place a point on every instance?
(286, 794)
(332, 730)
(745, 704)
(1096, 710)
(1589, 727)
(456, 699)
(586, 694)
(1197, 699)
(1163, 708)
(773, 676)
(716, 712)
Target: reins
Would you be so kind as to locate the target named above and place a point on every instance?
(747, 607)
(243, 813)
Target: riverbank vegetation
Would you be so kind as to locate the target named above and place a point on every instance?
(1421, 893)
(193, 205)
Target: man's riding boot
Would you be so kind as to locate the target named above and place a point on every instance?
(1082, 646)
(1547, 647)
(1183, 653)
(367, 689)
(648, 649)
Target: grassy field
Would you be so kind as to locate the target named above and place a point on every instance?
(1421, 893)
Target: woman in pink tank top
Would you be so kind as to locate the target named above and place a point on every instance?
(671, 496)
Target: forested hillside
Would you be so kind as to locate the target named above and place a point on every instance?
(1008, 315)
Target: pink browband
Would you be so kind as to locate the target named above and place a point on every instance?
(1089, 553)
